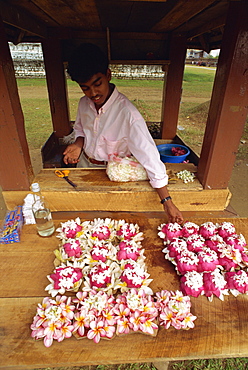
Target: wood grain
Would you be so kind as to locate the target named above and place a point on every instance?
(96, 192)
(220, 329)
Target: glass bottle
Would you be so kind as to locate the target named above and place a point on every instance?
(42, 213)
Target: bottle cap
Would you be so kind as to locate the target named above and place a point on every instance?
(35, 187)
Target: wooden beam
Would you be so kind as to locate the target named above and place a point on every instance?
(69, 33)
(18, 18)
(173, 87)
(15, 166)
(57, 88)
(209, 26)
(181, 13)
(228, 108)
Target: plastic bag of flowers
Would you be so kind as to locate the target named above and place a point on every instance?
(53, 320)
(125, 169)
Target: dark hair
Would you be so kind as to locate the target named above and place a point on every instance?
(87, 60)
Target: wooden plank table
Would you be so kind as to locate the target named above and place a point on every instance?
(96, 192)
(220, 329)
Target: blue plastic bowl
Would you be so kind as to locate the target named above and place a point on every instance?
(167, 156)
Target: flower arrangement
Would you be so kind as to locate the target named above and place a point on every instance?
(186, 176)
(98, 315)
(106, 260)
(109, 252)
(66, 277)
(53, 320)
(174, 310)
(209, 257)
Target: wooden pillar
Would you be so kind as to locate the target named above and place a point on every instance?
(16, 171)
(57, 88)
(228, 108)
(173, 87)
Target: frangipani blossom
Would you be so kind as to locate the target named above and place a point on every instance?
(149, 326)
(212, 250)
(96, 331)
(81, 321)
(123, 326)
(188, 321)
(53, 320)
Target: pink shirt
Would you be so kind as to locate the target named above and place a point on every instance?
(119, 128)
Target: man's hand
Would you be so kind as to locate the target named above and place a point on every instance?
(173, 212)
(73, 151)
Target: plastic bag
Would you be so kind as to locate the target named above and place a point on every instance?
(125, 169)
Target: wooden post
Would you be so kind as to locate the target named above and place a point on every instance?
(173, 87)
(16, 171)
(57, 88)
(228, 108)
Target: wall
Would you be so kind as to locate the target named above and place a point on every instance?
(28, 63)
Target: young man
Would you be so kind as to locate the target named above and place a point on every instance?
(107, 122)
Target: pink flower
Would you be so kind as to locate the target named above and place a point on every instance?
(166, 317)
(236, 241)
(127, 251)
(214, 284)
(99, 253)
(73, 249)
(100, 276)
(127, 231)
(195, 243)
(136, 319)
(187, 262)
(189, 228)
(102, 233)
(176, 247)
(109, 317)
(81, 321)
(96, 331)
(80, 297)
(226, 229)
(71, 233)
(188, 321)
(208, 260)
(66, 276)
(162, 297)
(237, 280)
(121, 311)
(207, 229)
(54, 321)
(228, 261)
(64, 332)
(123, 326)
(216, 243)
(51, 332)
(109, 331)
(171, 230)
(192, 284)
(149, 326)
(132, 276)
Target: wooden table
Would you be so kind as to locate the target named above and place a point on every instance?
(220, 329)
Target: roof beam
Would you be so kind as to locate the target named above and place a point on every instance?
(215, 23)
(22, 20)
(180, 13)
(68, 33)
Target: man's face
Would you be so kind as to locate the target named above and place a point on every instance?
(97, 88)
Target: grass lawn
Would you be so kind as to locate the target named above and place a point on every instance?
(145, 95)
